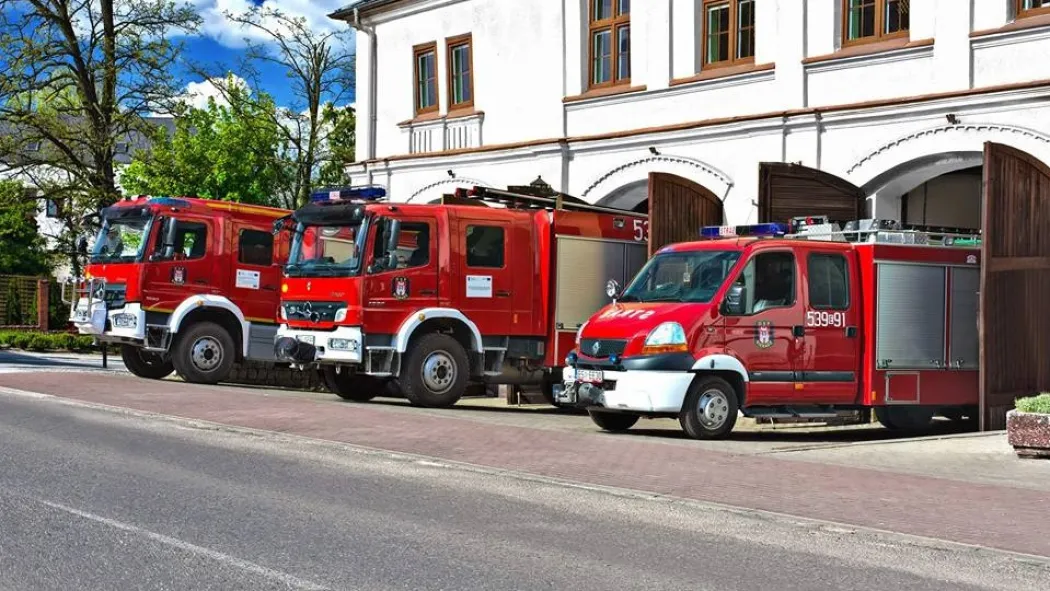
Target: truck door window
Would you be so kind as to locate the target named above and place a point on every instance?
(413, 247)
(191, 240)
(828, 282)
(485, 246)
(255, 248)
(769, 281)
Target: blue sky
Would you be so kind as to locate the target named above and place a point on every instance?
(220, 41)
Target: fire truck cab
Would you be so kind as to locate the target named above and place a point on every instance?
(799, 321)
(183, 284)
(421, 300)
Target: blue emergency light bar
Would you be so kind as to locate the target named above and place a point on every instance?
(370, 193)
(751, 230)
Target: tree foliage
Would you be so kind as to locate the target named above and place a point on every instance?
(219, 152)
(21, 245)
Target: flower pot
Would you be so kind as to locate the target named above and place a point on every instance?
(1029, 433)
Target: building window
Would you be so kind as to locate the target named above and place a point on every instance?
(460, 72)
(609, 37)
(728, 32)
(425, 60)
(1032, 7)
(864, 21)
(828, 280)
(255, 248)
(51, 208)
(485, 246)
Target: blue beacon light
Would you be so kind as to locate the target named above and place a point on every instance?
(753, 230)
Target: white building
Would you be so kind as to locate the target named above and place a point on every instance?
(895, 98)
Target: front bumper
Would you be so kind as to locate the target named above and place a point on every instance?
(98, 321)
(317, 345)
(644, 391)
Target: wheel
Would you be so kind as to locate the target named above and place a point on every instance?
(350, 386)
(146, 364)
(204, 354)
(710, 409)
(612, 421)
(905, 418)
(434, 371)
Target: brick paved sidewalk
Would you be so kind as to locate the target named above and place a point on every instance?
(1007, 518)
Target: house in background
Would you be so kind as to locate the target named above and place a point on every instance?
(753, 109)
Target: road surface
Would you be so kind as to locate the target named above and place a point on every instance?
(103, 499)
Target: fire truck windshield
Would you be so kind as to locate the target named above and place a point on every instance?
(327, 251)
(691, 276)
(122, 239)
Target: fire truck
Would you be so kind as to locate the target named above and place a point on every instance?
(183, 284)
(787, 321)
(488, 286)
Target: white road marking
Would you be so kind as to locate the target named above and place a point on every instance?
(276, 575)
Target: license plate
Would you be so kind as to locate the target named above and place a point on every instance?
(81, 316)
(306, 338)
(590, 376)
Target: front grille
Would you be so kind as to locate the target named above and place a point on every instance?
(114, 294)
(312, 311)
(605, 347)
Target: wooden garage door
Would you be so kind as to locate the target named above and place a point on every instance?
(792, 190)
(1015, 281)
(678, 208)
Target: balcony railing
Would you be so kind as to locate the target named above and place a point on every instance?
(443, 134)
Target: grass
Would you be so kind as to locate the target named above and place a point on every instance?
(45, 341)
(1037, 404)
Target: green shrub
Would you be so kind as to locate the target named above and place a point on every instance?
(1039, 404)
(45, 341)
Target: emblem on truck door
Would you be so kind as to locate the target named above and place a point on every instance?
(763, 334)
(178, 275)
(400, 287)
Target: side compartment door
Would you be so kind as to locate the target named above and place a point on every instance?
(766, 335)
(483, 289)
(678, 208)
(391, 294)
(190, 268)
(792, 190)
(830, 373)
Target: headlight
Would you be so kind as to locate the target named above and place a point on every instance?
(340, 315)
(579, 331)
(669, 337)
(125, 321)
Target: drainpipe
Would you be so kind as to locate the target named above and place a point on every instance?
(373, 75)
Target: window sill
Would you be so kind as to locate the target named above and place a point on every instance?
(865, 49)
(603, 91)
(434, 117)
(1021, 23)
(723, 72)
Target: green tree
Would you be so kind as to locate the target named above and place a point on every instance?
(341, 141)
(22, 249)
(222, 152)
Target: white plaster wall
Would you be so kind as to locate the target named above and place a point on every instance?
(989, 14)
(1014, 56)
(907, 72)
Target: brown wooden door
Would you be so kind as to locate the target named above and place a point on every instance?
(1015, 281)
(678, 208)
(792, 190)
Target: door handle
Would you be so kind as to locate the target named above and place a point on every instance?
(428, 292)
(798, 331)
(270, 287)
(201, 281)
(851, 332)
(503, 294)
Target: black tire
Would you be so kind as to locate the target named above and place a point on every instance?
(204, 353)
(909, 419)
(146, 364)
(710, 409)
(350, 386)
(434, 371)
(614, 422)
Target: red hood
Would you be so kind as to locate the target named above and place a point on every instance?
(634, 321)
(130, 274)
(324, 289)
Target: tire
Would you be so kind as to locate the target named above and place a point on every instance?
(204, 354)
(614, 422)
(905, 418)
(435, 371)
(145, 364)
(710, 409)
(349, 386)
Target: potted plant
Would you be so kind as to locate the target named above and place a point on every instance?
(1028, 426)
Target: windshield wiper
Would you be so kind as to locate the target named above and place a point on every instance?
(628, 298)
(676, 298)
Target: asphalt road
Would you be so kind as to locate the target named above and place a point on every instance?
(103, 499)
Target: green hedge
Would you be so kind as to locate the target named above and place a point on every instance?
(45, 341)
(1040, 404)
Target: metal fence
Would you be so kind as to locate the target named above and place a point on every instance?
(31, 303)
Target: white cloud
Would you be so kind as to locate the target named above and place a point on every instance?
(219, 28)
(198, 93)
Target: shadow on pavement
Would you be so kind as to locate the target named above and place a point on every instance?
(47, 360)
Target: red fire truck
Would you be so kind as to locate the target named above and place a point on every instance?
(488, 286)
(183, 284)
(787, 321)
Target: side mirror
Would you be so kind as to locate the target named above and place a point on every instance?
(391, 260)
(612, 289)
(168, 235)
(734, 304)
(279, 223)
(393, 237)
